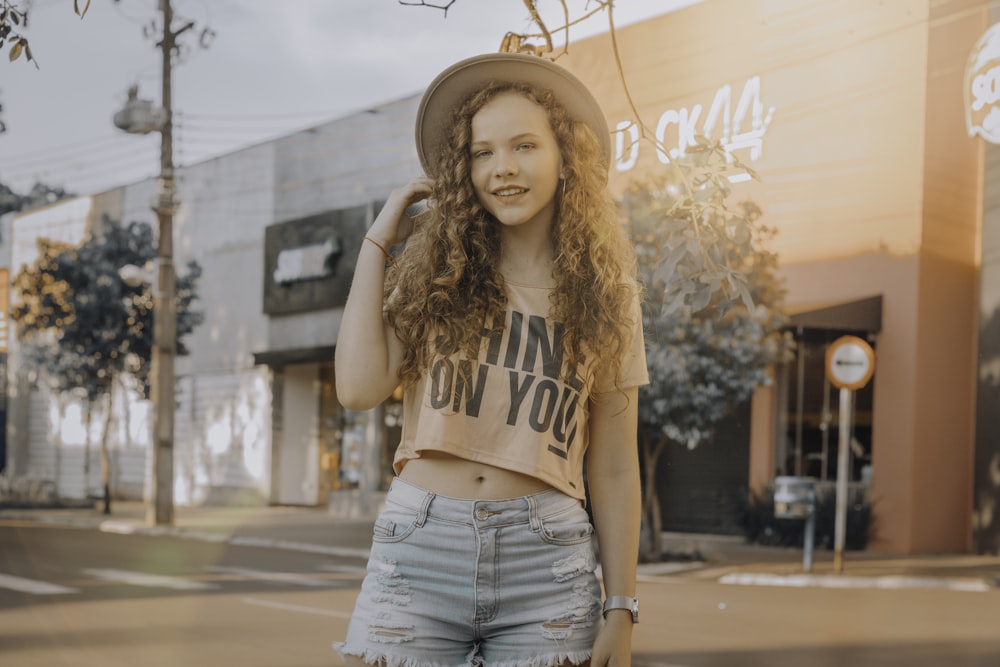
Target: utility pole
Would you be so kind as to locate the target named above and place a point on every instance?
(139, 117)
(161, 510)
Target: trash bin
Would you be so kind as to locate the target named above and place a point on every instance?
(794, 497)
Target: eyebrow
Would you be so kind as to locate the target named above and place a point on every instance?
(517, 137)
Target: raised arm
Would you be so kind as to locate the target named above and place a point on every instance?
(613, 477)
(368, 353)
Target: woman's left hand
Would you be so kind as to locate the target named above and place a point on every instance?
(613, 646)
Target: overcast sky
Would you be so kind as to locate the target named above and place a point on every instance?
(272, 68)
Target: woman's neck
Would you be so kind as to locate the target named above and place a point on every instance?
(527, 256)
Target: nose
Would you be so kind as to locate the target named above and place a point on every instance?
(505, 165)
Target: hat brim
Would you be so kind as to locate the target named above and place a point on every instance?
(457, 83)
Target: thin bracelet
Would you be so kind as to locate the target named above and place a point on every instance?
(388, 257)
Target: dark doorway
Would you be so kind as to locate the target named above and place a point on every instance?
(702, 489)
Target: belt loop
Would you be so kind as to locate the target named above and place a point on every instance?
(424, 506)
(533, 518)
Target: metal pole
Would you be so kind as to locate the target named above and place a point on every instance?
(800, 383)
(825, 468)
(164, 309)
(844, 443)
(810, 538)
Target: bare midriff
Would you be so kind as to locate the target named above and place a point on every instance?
(458, 478)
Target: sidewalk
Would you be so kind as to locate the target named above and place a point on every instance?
(709, 558)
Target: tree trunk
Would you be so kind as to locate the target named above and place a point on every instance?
(86, 448)
(652, 519)
(58, 440)
(123, 392)
(105, 456)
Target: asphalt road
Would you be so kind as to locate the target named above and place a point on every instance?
(85, 598)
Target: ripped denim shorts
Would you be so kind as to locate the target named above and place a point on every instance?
(506, 583)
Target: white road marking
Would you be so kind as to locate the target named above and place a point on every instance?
(33, 586)
(967, 585)
(343, 569)
(296, 608)
(263, 575)
(342, 552)
(148, 580)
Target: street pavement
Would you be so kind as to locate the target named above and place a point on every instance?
(721, 559)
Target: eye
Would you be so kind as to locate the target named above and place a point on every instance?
(481, 153)
(525, 146)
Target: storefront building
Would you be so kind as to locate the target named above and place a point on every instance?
(853, 114)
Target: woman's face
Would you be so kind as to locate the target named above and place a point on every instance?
(515, 161)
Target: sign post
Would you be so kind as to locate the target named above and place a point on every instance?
(850, 363)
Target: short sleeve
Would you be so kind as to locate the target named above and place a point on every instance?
(633, 371)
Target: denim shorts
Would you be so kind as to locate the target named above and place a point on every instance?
(506, 583)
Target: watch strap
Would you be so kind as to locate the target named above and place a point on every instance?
(630, 604)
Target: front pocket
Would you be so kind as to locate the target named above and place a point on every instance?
(394, 524)
(567, 528)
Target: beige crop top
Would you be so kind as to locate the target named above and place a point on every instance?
(511, 409)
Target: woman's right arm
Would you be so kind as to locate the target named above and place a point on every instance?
(368, 353)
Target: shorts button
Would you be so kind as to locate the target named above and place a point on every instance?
(482, 514)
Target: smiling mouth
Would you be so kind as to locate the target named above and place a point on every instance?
(505, 193)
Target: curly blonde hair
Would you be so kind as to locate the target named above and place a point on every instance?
(447, 291)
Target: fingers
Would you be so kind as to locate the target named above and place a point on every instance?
(416, 210)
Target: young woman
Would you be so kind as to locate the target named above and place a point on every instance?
(511, 320)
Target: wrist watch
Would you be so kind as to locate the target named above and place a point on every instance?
(622, 602)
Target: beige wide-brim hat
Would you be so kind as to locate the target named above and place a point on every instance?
(456, 84)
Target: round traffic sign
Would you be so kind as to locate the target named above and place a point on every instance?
(850, 362)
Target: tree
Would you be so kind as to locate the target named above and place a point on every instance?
(41, 194)
(711, 313)
(84, 326)
(13, 18)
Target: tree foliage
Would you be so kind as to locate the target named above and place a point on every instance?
(73, 297)
(83, 326)
(40, 194)
(13, 20)
(713, 306)
(712, 311)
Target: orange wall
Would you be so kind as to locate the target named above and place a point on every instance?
(840, 158)
(872, 183)
(945, 409)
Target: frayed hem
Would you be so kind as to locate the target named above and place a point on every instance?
(553, 660)
(387, 659)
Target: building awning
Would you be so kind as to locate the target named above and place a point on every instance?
(302, 355)
(863, 315)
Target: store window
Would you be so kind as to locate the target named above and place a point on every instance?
(357, 446)
(809, 414)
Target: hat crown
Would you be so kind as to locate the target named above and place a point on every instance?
(452, 87)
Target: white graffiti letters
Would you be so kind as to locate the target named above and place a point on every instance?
(739, 128)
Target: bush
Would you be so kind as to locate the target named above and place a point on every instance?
(760, 526)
